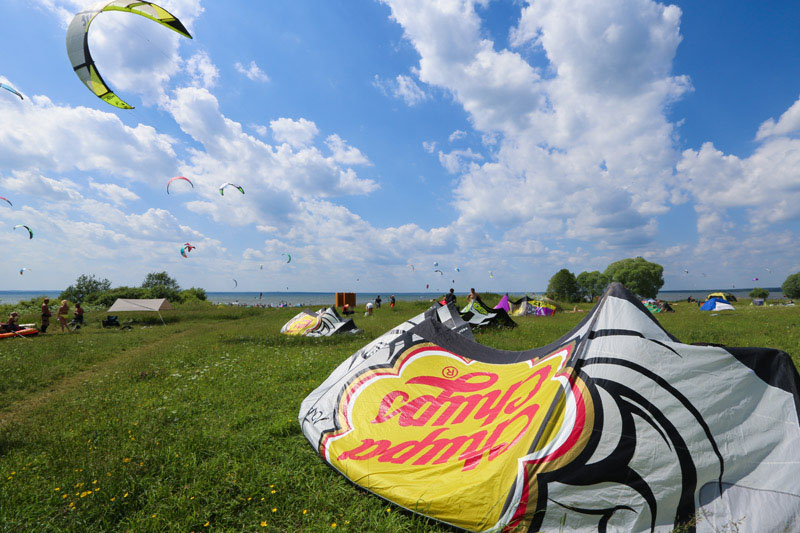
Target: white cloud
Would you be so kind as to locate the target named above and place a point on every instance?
(788, 122)
(297, 133)
(429, 146)
(203, 72)
(252, 72)
(345, 154)
(457, 135)
(116, 194)
(402, 87)
(458, 160)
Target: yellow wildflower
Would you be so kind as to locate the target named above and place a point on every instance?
(114, 498)
(263, 523)
(333, 525)
(57, 489)
(305, 511)
(126, 460)
(206, 524)
(273, 491)
(274, 509)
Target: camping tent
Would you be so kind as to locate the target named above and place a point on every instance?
(716, 304)
(615, 426)
(526, 306)
(477, 315)
(723, 295)
(323, 323)
(123, 305)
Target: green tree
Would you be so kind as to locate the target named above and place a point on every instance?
(791, 287)
(161, 285)
(86, 288)
(758, 292)
(563, 287)
(591, 284)
(638, 275)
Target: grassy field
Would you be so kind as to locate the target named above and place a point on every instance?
(193, 426)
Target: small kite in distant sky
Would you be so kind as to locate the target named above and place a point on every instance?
(30, 231)
(7, 200)
(23, 269)
(179, 178)
(11, 90)
(228, 184)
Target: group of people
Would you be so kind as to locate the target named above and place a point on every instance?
(61, 316)
(370, 306)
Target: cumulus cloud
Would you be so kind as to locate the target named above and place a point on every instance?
(788, 122)
(116, 194)
(458, 160)
(429, 146)
(252, 72)
(457, 135)
(402, 87)
(297, 133)
(202, 70)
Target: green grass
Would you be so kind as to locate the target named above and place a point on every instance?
(174, 427)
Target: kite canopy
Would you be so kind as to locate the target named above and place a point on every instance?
(11, 90)
(78, 41)
(30, 231)
(23, 269)
(526, 306)
(477, 315)
(616, 426)
(7, 200)
(181, 178)
(222, 188)
(503, 304)
(323, 323)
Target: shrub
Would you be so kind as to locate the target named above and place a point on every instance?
(791, 287)
(638, 275)
(563, 287)
(758, 292)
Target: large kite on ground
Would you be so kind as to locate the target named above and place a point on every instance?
(616, 426)
(323, 323)
(78, 41)
(526, 306)
(478, 315)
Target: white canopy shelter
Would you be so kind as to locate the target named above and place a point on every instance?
(153, 305)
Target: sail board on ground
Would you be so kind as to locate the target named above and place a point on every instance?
(580, 435)
(527, 306)
(323, 323)
(478, 315)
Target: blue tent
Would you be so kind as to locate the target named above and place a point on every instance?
(716, 304)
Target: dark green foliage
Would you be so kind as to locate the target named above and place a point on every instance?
(160, 280)
(791, 287)
(638, 275)
(107, 298)
(591, 284)
(195, 293)
(563, 287)
(85, 288)
(759, 293)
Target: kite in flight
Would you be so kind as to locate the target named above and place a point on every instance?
(222, 188)
(412, 267)
(179, 178)
(23, 269)
(78, 42)
(7, 200)
(30, 231)
(490, 274)
(439, 271)
(236, 283)
(186, 248)
(289, 256)
(11, 90)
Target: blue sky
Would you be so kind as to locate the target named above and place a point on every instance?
(513, 137)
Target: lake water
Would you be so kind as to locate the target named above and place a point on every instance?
(313, 299)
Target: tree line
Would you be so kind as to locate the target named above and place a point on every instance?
(95, 291)
(637, 274)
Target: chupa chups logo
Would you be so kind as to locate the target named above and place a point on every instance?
(436, 427)
(302, 324)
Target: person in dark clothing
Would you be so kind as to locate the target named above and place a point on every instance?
(450, 297)
(378, 302)
(78, 317)
(391, 302)
(45, 315)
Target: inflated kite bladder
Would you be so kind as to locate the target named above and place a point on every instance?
(617, 425)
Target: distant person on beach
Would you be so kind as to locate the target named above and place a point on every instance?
(13, 322)
(391, 302)
(472, 296)
(450, 297)
(368, 312)
(61, 316)
(78, 317)
(378, 302)
(45, 315)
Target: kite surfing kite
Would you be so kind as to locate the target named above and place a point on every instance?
(439, 271)
(23, 269)
(288, 257)
(616, 426)
(222, 188)
(491, 275)
(436, 263)
(179, 178)
(323, 323)
(30, 231)
(186, 248)
(7, 200)
(755, 279)
(235, 283)
(457, 269)
(78, 42)
(11, 90)
(412, 267)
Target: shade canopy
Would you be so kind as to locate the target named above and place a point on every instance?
(136, 304)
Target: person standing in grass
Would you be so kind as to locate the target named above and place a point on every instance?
(78, 319)
(61, 316)
(472, 296)
(45, 315)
